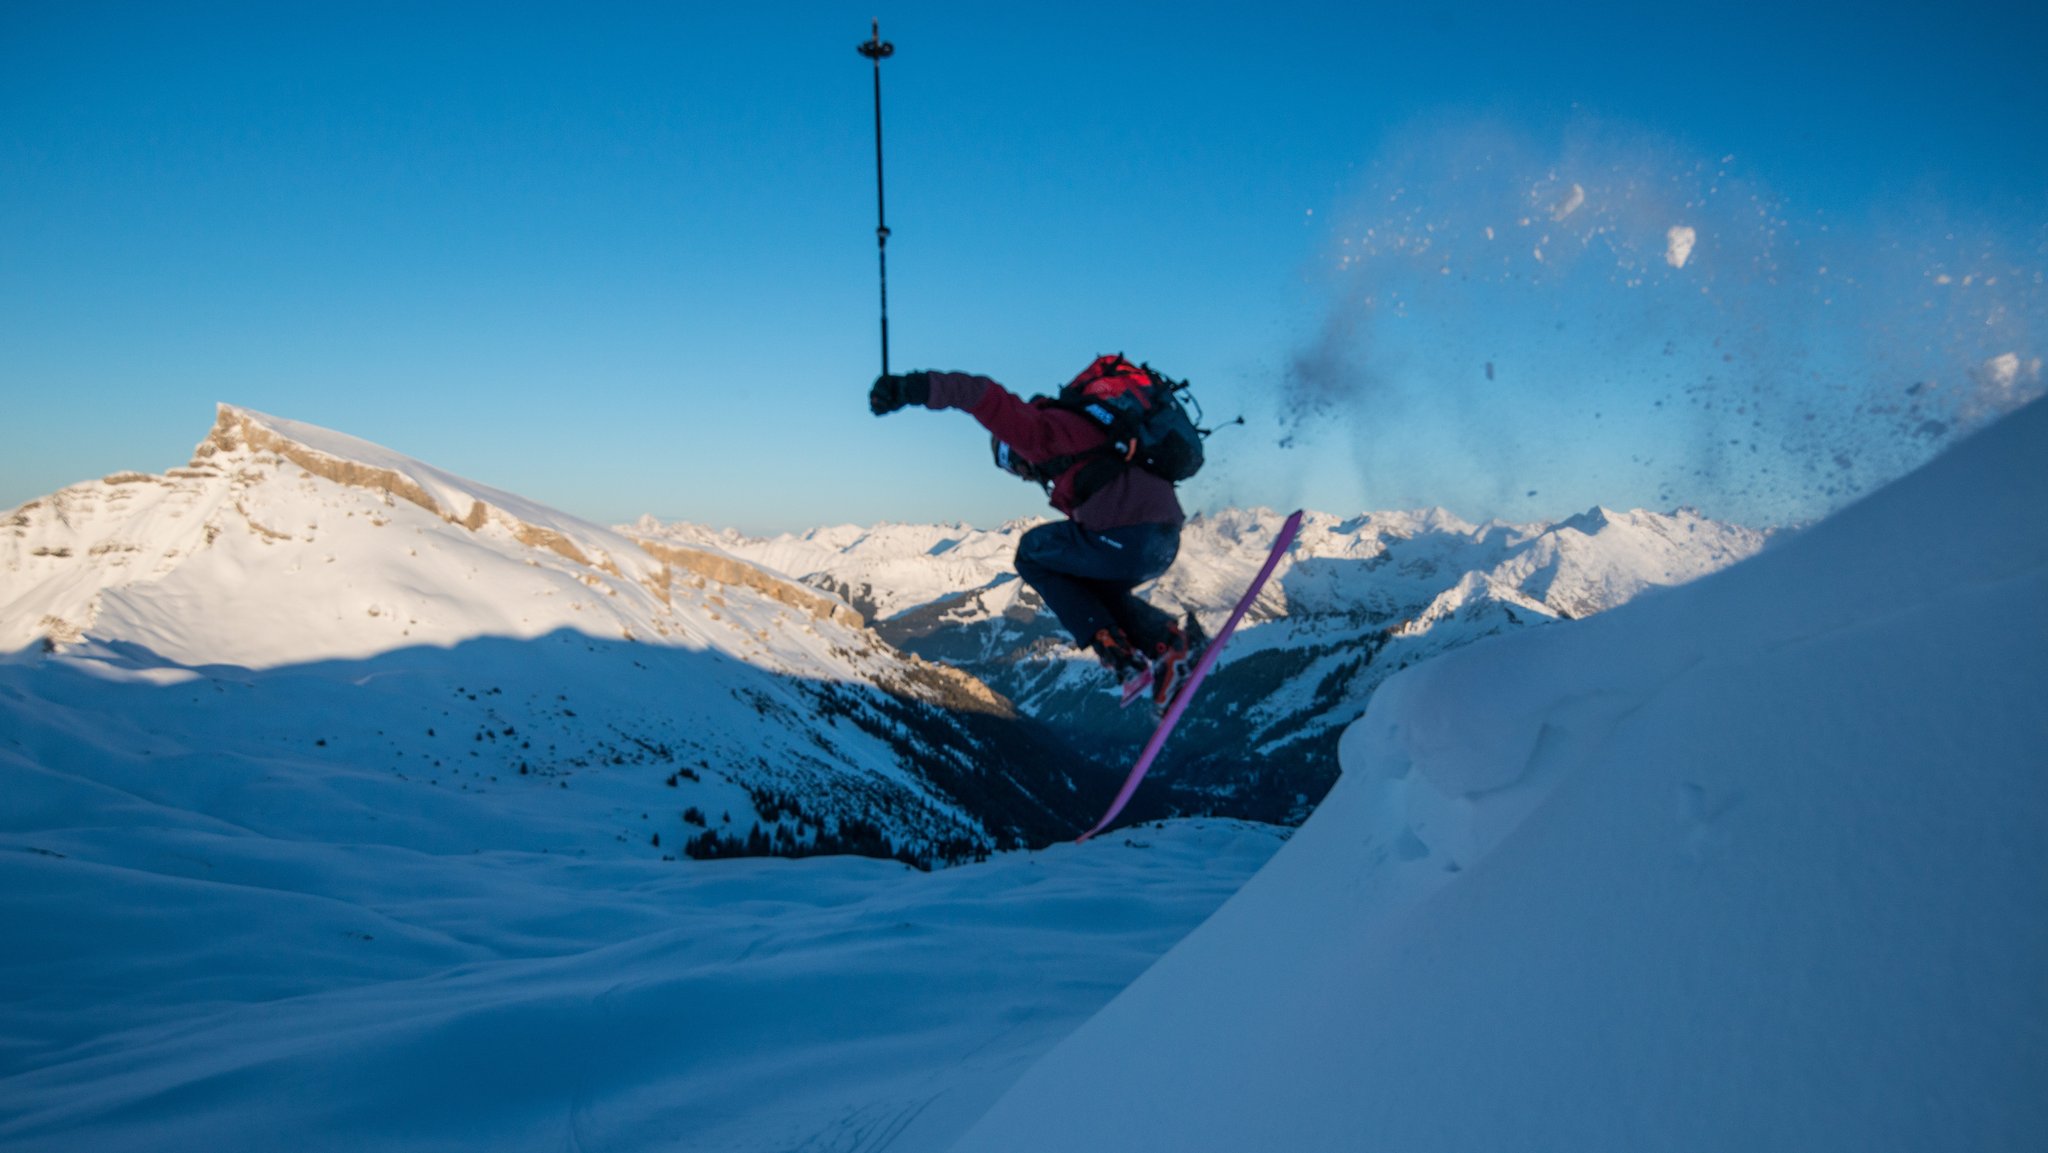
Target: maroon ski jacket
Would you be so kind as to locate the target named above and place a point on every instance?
(1040, 434)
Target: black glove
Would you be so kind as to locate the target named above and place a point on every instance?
(892, 392)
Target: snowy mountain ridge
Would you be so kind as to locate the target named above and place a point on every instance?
(252, 507)
(284, 551)
(282, 543)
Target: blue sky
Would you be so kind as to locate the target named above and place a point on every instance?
(622, 260)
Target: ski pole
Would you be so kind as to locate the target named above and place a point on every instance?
(876, 49)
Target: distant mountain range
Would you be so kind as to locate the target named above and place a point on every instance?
(1356, 599)
(314, 603)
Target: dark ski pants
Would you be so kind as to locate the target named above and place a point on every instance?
(1086, 577)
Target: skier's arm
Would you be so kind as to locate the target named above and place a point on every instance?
(1036, 434)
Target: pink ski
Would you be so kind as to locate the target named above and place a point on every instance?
(1195, 677)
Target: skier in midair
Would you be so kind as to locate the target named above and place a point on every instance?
(1122, 525)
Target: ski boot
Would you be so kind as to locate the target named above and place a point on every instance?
(1116, 654)
(1174, 658)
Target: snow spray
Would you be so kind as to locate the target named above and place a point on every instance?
(1515, 325)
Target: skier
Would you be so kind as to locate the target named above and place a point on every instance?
(1122, 528)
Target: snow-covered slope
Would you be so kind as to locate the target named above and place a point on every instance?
(370, 610)
(1758, 863)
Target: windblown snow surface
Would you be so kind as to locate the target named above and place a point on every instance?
(1756, 863)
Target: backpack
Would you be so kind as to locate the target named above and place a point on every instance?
(1141, 410)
